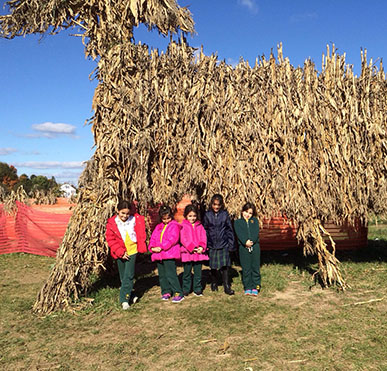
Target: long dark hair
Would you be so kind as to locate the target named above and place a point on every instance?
(249, 205)
(124, 204)
(217, 197)
(193, 206)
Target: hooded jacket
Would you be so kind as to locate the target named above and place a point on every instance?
(170, 247)
(220, 234)
(190, 238)
(115, 241)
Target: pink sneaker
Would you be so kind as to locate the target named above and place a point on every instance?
(166, 296)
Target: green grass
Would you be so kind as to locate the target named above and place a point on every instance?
(292, 325)
(378, 232)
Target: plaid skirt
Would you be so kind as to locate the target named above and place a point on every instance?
(219, 258)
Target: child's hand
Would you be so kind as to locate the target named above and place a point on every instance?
(195, 250)
(156, 249)
(125, 256)
(249, 243)
(200, 250)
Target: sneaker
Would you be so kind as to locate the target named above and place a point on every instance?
(177, 298)
(256, 291)
(199, 293)
(248, 292)
(125, 305)
(166, 296)
(134, 299)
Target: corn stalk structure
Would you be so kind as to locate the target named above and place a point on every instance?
(44, 197)
(18, 195)
(297, 142)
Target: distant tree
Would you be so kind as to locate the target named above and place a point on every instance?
(8, 175)
(10, 181)
(40, 182)
(24, 181)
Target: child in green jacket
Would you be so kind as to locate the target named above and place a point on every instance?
(247, 232)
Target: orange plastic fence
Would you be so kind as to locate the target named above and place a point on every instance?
(280, 234)
(39, 229)
(33, 231)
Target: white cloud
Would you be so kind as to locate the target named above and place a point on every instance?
(7, 151)
(52, 130)
(65, 176)
(250, 4)
(51, 164)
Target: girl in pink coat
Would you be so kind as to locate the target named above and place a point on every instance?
(165, 248)
(193, 240)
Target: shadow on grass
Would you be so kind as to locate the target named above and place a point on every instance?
(144, 277)
(376, 251)
(206, 277)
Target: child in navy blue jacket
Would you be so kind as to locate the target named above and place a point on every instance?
(220, 241)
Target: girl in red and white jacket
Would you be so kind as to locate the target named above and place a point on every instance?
(125, 235)
(165, 248)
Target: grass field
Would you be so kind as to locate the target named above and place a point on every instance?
(292, 325)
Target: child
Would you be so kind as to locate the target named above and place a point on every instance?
(220, 240)
(165, 248)
(125, 235)
(247, 232)
(194, 242)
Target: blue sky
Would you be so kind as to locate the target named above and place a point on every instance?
(46, 94)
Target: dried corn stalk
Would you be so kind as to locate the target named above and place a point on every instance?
(103, 23)
(3, 193)
(20, 195)
(104, 26)
(309, 145)
(43, 197)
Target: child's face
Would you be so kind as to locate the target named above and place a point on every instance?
(166, 218)
(123, 214)
(216, 206)
(192, 217)
(247, 214)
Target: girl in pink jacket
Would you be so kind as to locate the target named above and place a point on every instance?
(193, 239)
(165, 248)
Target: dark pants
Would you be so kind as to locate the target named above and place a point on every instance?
(169, 282)
(250, 262)
(197, 276)
(126, 271)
